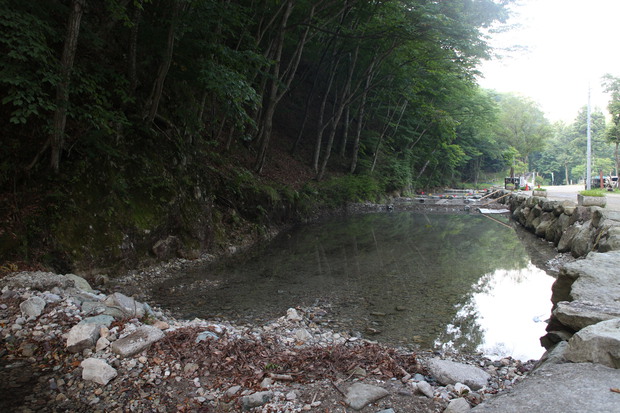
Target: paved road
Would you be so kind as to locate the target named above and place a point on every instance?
(569, 192)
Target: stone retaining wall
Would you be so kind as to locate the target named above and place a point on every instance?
(571, 228)
(585, 321)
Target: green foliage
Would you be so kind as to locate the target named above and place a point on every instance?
(27, 70)
(339, 191)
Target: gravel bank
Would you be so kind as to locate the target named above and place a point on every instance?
(291, 364)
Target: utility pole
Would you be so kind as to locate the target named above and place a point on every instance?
(589, 148)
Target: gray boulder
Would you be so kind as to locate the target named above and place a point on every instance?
(582, 241)
(578, 314)
(256, 399)
(97, 370)
(82, 336)
(611, 242)
(449, 372)
(79, 282)
(593, 279)
(566, 388)
(425, 388)
(566, 240)
(137, 341)
(360, 395)
(127, 305)
(32, 307)
(598, 343)
(459, 405)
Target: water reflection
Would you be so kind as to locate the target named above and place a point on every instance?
(504, 315)
(404, 276)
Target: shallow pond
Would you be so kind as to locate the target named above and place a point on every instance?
(458, 282)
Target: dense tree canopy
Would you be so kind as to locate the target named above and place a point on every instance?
(154, 105)
(387, 86)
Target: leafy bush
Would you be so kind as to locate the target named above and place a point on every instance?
(339, 191)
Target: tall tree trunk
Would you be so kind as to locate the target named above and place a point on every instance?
(321, 124)
(62, 89)
(164, 67)
(384, 131)
(272, 96)
(345, 131)
(360, 120)
(133, 49)
(286, 78)
(345, 100)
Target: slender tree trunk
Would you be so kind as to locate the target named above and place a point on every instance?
(62, 89)
(286, 78)
(321, 124)
(345, 131)
(345, 100)
(271, 100)
(360, 120)
(133, 49)
(383, 132)
(164, 67)
(566, 172)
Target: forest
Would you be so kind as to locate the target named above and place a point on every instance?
(126, 123)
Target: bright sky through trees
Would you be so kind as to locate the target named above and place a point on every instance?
(564, 45)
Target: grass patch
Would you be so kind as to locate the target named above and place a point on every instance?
(593, 192)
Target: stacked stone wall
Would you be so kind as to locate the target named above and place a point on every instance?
(585, 322)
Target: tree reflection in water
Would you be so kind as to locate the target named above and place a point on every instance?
(404, 275)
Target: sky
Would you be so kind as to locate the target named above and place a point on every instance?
(565, 47)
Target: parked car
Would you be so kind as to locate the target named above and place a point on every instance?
(609, 182)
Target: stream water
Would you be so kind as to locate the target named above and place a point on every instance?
(455, 282)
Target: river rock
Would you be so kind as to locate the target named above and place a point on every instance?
(566, 388)
(578, 314)
(459, 405)
(80, 282)
(99, 320)
(129, 306)
(598, 343)
(32, 307)
(97, 370)
(360, 394)
(82, 336)
(554, 355)
(293, 315)
(425, 388)
(137, 341)
(38, 280)
(256, 399)
(449, 372)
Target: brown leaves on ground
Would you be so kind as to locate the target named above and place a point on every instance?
(248, 359)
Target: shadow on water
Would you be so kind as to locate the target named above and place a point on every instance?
(459, 282)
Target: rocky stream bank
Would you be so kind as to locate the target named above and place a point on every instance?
(67, 347)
